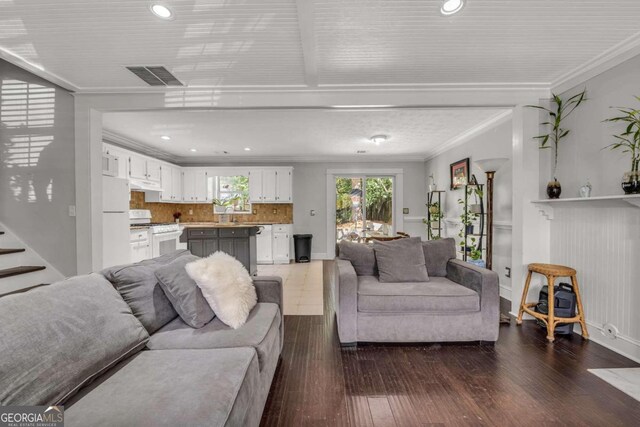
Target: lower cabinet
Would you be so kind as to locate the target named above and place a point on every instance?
(281, 243)
(239, 242)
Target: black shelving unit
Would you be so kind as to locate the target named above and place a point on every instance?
(434, 233)
(471, 192)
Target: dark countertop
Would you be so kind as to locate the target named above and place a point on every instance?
(224, 225)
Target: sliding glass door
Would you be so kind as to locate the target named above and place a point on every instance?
(364, 207)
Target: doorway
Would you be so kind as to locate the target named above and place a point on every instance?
(364, 207)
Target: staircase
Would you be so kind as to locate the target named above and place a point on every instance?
(20, 267)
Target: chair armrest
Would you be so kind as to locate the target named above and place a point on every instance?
(346, 282)
(269, 289)
(484, 282)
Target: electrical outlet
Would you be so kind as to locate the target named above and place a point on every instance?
(312, 212)
(72, 210)
(405, 211)
(275, 211)
(190, 211)
(507, 272)
(255, 211)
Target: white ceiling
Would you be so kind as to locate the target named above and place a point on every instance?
(304, 43)
(296, 135)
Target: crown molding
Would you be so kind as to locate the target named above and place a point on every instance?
(264, 160)
(618, 54)
(467, 135)
(121, 141)
(36, 69)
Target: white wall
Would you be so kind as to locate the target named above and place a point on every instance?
(38, 165)
(494, 142)
(601, 243)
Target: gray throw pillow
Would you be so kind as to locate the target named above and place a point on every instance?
(361, 257)
(59, 337)
(437, 254)
(139, 287)
(401, 260)
(185, 296)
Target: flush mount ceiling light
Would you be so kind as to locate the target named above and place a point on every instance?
(451, 7)
(165, 138)
(247, 149)
(161, 11)
(378, 139)
(193, 150)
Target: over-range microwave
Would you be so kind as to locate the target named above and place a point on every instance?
(109, 165)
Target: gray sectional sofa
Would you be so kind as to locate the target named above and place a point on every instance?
(123, 357)
(459, 302)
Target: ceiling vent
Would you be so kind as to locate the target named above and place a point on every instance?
(155, 76)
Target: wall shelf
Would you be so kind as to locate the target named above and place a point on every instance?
(624, 200)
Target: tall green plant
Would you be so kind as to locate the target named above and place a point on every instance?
(562, 110)
(629, 140)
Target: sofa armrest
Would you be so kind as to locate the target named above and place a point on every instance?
(346, 282)
(485, 283)
(269, 289)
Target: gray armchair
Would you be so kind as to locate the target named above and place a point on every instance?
(460, 302)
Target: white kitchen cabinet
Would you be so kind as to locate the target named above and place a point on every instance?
(176, 184)
(194, 185)
(281, 243)
(270, 185)
(283, 186)
(166, 181)
(153, 171)
(144, 169)
(122, 157)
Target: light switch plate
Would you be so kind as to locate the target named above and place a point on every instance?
(312, 212)
(72, 210)
(405, 211)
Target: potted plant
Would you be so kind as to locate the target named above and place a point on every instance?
(562, 110)
(433, 222)
(176, 217)
(220, 206)
(475, 256)
(629, 142)
(467, 219)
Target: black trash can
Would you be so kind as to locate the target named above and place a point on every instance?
(302, 245)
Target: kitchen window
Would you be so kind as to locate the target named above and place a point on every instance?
(233, 190)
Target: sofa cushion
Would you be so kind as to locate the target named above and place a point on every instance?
(361, 257)
(138, 285)
(172, 388)
(437, 254)
(185, 296)
(439, 295)
(401, 260)
(56, 338)
(260, 332)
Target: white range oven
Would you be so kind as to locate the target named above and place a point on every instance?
(163, 237)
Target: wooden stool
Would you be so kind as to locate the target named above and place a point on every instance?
(552, 271)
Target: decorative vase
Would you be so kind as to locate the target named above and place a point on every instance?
(585, 190)
(469, 229)
(554, 189)
(631, 182)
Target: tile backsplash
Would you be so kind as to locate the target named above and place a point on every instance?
(163, 212)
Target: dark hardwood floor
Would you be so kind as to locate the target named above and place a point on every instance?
(522, 380)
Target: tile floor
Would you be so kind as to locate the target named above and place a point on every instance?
(302, 286)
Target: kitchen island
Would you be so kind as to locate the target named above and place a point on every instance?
(238, 240)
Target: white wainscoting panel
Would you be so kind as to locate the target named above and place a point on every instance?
(603, 245)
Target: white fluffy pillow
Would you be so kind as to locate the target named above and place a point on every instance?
(226, 285)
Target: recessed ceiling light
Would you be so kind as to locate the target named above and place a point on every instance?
(165, 138)
(161, 11)
(451, 7)
(193, 150)
(378, 139)
(247, 149)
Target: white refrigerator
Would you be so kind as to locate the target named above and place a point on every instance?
(115, 221)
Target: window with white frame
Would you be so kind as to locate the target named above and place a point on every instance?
(231, 191)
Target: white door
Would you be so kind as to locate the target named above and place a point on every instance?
(176, 184)
(283, 186)
(200, 192)
(280, 247)
(255, 186)
(264, 248)
(137, 167)
(268, 185)
(153, 171)
(167, 183)
(189, 185)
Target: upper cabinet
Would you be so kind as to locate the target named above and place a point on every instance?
(171, 182)
(270, 185)
(122, 159)
(142, 168)
(194, 185)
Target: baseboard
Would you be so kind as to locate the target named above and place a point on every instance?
(505, 292)
(623, 345)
